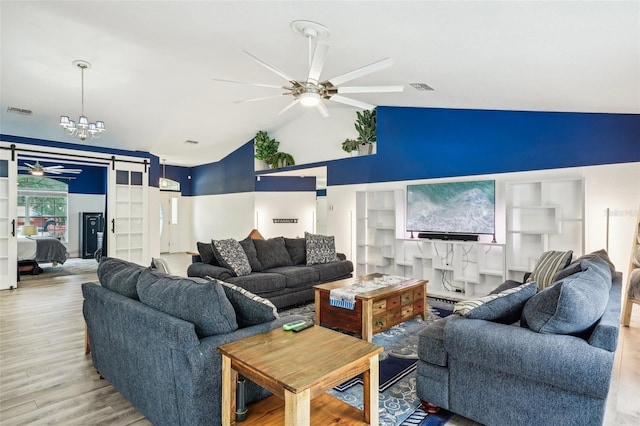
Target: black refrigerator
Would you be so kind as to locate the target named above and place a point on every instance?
(91, 233)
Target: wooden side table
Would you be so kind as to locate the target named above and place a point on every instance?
(299, 367)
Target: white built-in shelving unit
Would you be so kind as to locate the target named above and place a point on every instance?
(543, 215)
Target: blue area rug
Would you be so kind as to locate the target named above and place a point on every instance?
(398, 401)
(392, 369)
(421, 418)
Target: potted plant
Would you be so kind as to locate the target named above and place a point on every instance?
(266, 147)
(351, 146)
(366, 127)
(281, 159)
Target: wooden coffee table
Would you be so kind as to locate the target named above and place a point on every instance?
(296, 368)
(375, 310)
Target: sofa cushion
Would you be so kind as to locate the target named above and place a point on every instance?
(297, 276)
(206, 253)
(272, 253)
(297, 248)
(320, 248)
(548, 266)
(119, 275)
(334, 270)
(503, 307)
(431, 342)
(252, 255)
(230, 255)
(572, 305)
(575, 267)
(199, 301)
(259, 282)
(250, 309)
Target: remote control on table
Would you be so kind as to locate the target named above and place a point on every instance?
(293, 325)
(304, 327)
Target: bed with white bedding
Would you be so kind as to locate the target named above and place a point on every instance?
(41, 249)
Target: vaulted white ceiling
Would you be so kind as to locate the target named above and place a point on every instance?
(153, 63)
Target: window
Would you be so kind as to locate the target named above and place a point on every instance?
(43, 202)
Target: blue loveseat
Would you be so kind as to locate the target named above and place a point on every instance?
(536, 372)
(154, 337)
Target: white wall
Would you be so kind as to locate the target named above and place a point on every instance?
(285, 205)
(222, 216)
(78, 203)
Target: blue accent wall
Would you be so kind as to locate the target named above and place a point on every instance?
(92, 180)
(422, 143)
(286, 183)
(233, 174)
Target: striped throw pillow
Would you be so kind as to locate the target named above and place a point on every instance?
(504, 307)
(548, 266)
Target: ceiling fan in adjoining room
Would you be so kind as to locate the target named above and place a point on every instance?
(312, 91)
(38, 170)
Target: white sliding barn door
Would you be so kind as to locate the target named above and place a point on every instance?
(8, 225)
(128, 225)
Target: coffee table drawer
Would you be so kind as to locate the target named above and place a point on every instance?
(379, 307)
(406, 312)
(406, 297)
(379, 323)
(393, 302)
(418, 294)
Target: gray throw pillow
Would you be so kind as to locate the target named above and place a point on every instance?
(196, 300)
(572, 305)
(252, 255)
(503, 307)
(548, 266)
(272, 253)
(206, 253)
(119, 275)
(574, 266)
(230, 255)
(320, 248)
(160, 265)
(297, 248)
(250, 309)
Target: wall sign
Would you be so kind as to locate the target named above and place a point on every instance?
(285, 220)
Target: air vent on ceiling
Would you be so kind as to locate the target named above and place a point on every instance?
(191, 142)
(421, 86)
(20, 111)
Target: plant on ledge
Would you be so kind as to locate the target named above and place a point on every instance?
(281, 159)
(366, 127)
(266, 147)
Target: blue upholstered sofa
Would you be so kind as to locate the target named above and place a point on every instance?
(154, 337)
(536, 372)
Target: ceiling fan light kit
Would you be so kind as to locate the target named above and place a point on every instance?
(311, 92)
(83, 129)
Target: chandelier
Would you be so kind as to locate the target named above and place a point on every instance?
(83, 129)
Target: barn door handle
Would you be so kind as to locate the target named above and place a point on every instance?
(113, 226)
(13, 228)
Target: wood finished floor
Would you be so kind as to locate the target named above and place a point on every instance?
(45, 377)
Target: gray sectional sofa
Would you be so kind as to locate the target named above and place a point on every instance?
(154, 337)
(553, 367)
(280, 269)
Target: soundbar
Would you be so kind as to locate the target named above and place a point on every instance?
(450, 237)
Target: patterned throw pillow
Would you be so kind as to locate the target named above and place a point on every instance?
(160, 265)
(231, 256)
(504, 307)
(250, 309)
(548, 266)
(320, 249)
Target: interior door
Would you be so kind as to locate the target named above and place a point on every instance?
(128, 227)
(169, 219)
(8, 231)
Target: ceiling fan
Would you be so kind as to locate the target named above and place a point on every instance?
(39, 170)
(312, 91)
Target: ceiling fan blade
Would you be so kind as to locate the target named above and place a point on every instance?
(260, 99)
(24, 168)
(53, 167)
(291, 105)
(72, 171)
(29, 165)
(317, 63)
(273, 86)
(370, 89)
(53, 172)
(360, 72)
(270, 67)
(322, 109)
(352, 102)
